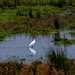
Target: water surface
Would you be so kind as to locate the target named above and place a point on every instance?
(17, 47)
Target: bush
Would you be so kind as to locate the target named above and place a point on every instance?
(22, 11)
(38, 14)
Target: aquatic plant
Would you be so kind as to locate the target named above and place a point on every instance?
(60, 61)
(56, 23)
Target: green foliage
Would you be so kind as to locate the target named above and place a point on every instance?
(2, 36)
(22, 11)
(38, 13)
(57, 36)
(30, 21)
(65, 41)
(14, 3)
(72, 33)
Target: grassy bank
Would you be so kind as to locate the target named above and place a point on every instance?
(34, 20)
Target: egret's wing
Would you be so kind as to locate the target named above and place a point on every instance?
(32, 43)
(33, 51)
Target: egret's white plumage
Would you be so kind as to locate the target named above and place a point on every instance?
(33, 51)
(32, 43)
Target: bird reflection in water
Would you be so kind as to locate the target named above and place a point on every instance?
(31, 45)
(33, 51)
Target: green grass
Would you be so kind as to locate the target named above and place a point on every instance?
(13, 21)
(64, 41)
(13, 4)
(72, 33)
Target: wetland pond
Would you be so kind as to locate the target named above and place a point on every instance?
(17, 47)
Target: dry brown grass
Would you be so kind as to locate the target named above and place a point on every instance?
(36, 68)
(41, 69)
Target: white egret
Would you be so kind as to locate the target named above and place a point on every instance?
(33, 51)
(32, 43)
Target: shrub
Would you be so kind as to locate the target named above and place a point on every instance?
(38, 14)
(57, 36)
(22, 11)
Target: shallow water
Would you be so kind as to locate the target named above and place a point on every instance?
(17, 47)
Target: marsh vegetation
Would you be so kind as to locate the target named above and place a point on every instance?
(37, 19)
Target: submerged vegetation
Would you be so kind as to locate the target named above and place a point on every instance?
(64, 41)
